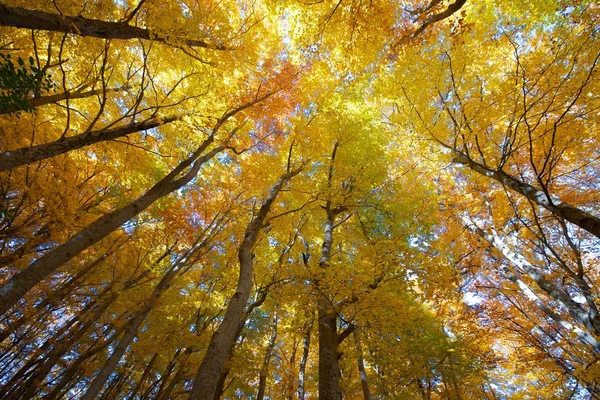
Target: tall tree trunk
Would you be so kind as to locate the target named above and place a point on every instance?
(40, 313)
(130, 333)
(559, 208)
(39, 20)
(222, 340)
(20, 284)
(164, 377)
(72, 369)
(264, 371)
(361, 366)
(303, 361)
(29, 155)
(329, 370)
(140, 383)
(55, 98)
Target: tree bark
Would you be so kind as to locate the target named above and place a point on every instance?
(130, 334)
(559, 208)
(140, 383)
(55, 98)
(39, 20)
(264, 371)
(29, 155)
(303, 361)
(74, 367)
(329, 370)
(222, 340)
(20, 284)
(361, 367)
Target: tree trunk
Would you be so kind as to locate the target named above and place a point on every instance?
(264, 371)
(303, 361)
(39, 20)
(561, 209)
(222, 340)
(361, 367)
(140, 383)
(130, 334)
(55, 98)
(29, 155)
(20, 284)
(74, 367)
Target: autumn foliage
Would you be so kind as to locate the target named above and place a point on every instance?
(299, 199)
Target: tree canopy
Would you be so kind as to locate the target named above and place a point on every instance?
(299, 199)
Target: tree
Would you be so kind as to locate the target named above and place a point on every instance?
(346, 199)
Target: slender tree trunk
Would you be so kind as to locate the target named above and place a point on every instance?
(55, 98)
(303, 361)
(29, 155)
(264, 371)
(361, 366)
(75, 366)
(176, 379)
(222, 340)
(39, 20)
(20, 284)
(55, 297)
(164, 377)
(290, 390)
(130, 334)
(559, 208)
(140, 383)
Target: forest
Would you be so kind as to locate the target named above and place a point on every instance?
(299, 199)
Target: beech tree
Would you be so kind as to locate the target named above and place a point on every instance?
(299, 200)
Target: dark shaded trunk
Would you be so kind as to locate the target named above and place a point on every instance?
(164, 377)
(39, 20)
(72, 370)
(179, 375)
(559, 208)
(205, 384)
(29, 155)
(40, 311)
(55, 98)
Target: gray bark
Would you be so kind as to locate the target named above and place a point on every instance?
(39, 20)
(222, 340)
(29, 155)
(559, 208)
(303, 361)
(361, 367)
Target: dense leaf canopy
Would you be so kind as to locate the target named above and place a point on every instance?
(299, 199)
